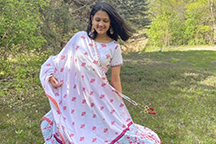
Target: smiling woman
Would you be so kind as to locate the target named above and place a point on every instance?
(101, 24)
(85, 107)
(104, 16)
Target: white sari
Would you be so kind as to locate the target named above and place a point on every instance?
(86, 109)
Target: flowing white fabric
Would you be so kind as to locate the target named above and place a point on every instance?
(86, 109)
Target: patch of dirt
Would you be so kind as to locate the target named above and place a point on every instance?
(211, 48)
(139, 44)
(134, 45)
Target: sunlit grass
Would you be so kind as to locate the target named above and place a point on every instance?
(180, 85)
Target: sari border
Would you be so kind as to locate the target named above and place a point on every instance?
(47, 119)
(54, 102)
(123, 132)
(63, 141)
(57, 106)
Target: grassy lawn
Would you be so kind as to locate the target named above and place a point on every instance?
(180, 85)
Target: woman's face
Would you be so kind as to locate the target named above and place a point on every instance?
(101, 22)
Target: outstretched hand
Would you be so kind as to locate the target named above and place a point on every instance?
(54, 82)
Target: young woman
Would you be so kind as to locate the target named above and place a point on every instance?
(85, 108)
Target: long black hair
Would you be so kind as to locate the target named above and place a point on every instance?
(120, 28)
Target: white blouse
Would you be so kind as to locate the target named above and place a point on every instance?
(110, 54)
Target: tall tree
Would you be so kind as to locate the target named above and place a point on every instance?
(63, 18)
(136, 12)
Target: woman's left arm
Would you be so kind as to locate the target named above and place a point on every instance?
(115, 78)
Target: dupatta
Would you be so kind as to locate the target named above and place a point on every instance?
(86, 108)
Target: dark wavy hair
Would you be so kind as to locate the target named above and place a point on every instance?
(120, 28)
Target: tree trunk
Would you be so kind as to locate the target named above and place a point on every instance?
(211, 3)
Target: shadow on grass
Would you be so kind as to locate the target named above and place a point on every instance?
(180, 85)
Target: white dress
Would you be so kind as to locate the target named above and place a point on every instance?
(86, 109)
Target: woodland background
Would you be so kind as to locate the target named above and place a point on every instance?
(181, 85)
(41, 25)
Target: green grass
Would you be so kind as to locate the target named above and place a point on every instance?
(180, 85)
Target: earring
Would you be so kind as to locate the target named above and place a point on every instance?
(92, 29)
(111, 31)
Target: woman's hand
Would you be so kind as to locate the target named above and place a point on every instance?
(54, 82)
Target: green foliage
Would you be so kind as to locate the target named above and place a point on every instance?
(57, 26)
(49, 24)
(19, 25)
(160, 30)
(190, 24)
(19, 29)
(196, 17)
